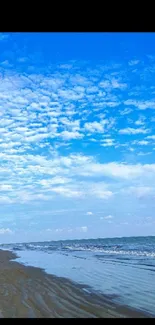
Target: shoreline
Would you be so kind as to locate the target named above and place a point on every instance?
(30, 292)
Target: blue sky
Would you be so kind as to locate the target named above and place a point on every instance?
(77, 154)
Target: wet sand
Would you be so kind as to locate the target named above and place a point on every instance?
(29, 292)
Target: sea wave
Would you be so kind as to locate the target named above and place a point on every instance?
(104, 249)
(115, 250)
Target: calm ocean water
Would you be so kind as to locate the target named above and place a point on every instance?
(123, 267)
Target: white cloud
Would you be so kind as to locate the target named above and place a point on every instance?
(112, 84)
(89, 213)
(95, 126)
(6, 200)
(4, 231)
(5, 187)
(92, 89)
(54, 180)
(102, 194)
(59, 230)
(117, 84)
(84, 229)
(141, 142)
(141, 191)
(140, 121)
(142, 105)
(133, 62)
(108, 217)
(68, 192)
(125, 111)
(105, 84)
(66, 135)
(66, 66)
(133, 131)
(112, 170)
(108, 142)
(151, 137)
(140, 153)
(65, 171)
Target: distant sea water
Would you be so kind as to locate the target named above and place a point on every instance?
(121, 267)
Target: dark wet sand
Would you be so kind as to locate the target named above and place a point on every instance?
(30, 292)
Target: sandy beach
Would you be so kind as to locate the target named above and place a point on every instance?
(29, 292)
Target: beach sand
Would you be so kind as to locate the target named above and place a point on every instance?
(30, 292)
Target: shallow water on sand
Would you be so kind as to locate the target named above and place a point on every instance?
(122, 267)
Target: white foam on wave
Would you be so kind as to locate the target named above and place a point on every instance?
(112, 251)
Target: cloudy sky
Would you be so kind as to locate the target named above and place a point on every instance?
(77, 153)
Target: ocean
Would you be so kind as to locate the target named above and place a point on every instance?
(123, 268)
